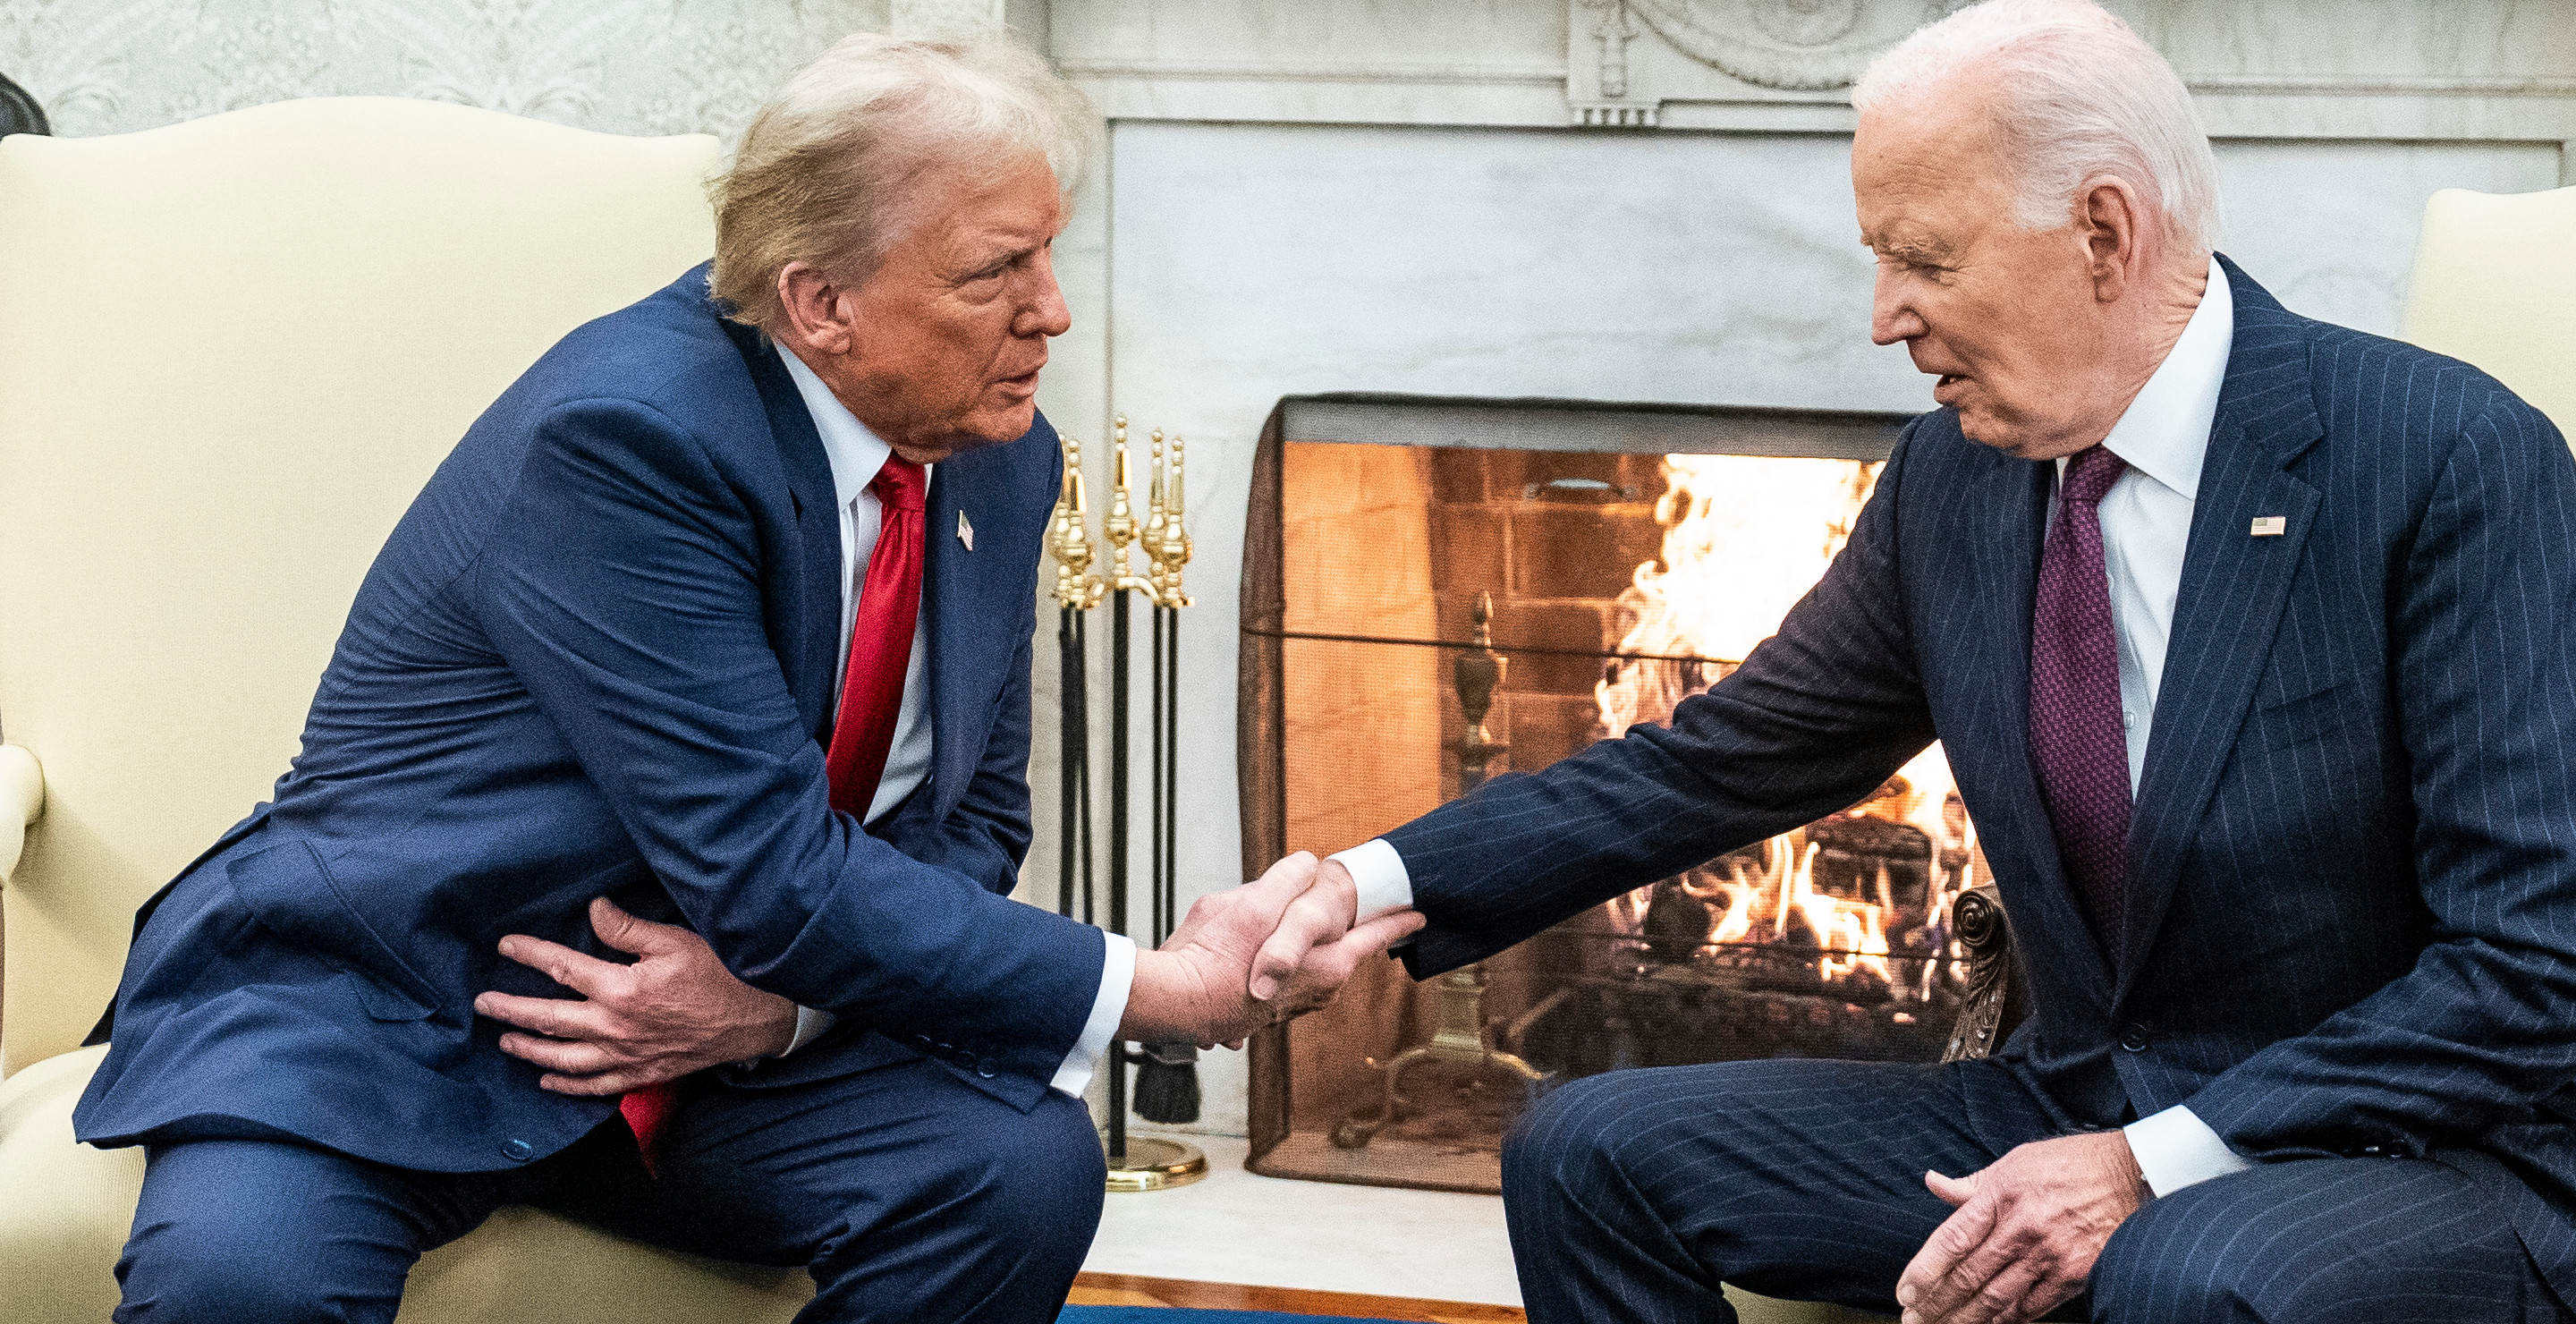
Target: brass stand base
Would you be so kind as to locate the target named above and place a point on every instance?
(1156, 1165)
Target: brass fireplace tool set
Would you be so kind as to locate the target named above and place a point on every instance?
(1167, 1088)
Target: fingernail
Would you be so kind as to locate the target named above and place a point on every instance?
(1263, 987)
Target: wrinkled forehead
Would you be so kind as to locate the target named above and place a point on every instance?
(1928, 170)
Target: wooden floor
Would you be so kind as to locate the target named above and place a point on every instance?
(1119, 1289)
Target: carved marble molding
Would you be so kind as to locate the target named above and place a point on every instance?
(1625, 58)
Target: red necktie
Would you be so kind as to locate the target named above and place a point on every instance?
(871, 700)
(2078, 746)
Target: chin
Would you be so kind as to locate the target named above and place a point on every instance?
(1984, 428)
(994, 425)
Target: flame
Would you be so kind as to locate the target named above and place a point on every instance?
(1744, 538)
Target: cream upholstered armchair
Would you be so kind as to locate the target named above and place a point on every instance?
(2495, 284)
(230, 353)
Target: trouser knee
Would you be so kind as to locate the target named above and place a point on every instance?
(2147, 1276)
(237, 1276)
(1557, 1152)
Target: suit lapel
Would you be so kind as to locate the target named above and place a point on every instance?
(958, 595)
(818, 527)
(2008, 536)
(2234, 586)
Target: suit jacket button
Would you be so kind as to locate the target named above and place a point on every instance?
(984, 1067)
(518, 1151)
(2134, 1038)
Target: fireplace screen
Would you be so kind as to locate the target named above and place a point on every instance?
(1437, 592)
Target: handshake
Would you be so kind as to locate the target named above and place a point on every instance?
(1242, 960)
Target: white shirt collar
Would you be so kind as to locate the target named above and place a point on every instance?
(2164, 433)
(856, 453)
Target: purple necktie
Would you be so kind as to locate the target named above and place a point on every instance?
(2078, 746)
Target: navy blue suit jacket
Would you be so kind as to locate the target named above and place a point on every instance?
(596, 658)
(2351, 899)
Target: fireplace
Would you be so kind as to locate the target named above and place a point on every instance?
(1436, 591)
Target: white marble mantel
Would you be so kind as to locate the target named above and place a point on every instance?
(1388, 196)
(2415, 70)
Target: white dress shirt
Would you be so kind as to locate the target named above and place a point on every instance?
(856, 455)
(2146, 525)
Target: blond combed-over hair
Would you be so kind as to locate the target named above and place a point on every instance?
(2081, 95)
(825, 170)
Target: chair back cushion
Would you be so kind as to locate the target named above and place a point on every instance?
(2495, 276)
(231, 351)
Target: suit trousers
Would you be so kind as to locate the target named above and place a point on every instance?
(1631, 1196)
(906, 1193)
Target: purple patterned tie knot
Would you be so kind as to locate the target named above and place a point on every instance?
(2090, 473)
(2079, 747)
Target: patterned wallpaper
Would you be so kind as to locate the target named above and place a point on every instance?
(624, 66)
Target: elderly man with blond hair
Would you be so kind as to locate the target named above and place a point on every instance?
(649, 852)
(2248, 639)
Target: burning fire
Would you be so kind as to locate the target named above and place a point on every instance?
(1744, 538)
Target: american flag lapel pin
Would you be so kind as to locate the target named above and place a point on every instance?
(2271, 526)
(966, 531)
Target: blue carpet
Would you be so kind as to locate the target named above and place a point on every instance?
(1168, 1315)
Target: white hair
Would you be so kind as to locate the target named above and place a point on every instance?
(2082, 96)
(826, 165)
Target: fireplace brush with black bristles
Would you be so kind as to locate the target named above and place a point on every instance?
(1166, 1084)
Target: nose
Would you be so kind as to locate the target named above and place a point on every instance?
(1892, 317)
(1043, 311)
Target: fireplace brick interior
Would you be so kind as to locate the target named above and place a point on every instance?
(1383, 554)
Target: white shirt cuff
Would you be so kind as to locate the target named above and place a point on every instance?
(1384, 886)
(810, 1025)
(2176, 1149)
(1117, 978)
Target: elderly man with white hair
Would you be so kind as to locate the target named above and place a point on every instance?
(2248, 638)
(649, 852)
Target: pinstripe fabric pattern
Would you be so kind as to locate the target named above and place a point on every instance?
(1631, 1196)
(2336, 1241)
(2351, 902)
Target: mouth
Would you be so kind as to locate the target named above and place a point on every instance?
(1024, 384)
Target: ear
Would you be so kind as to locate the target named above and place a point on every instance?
(818, 310)
(2111, 220)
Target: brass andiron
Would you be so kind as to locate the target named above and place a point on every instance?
(1167, 1081)
(1461, 1035)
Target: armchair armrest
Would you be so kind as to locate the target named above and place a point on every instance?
(22, 798)
(1994, 1001)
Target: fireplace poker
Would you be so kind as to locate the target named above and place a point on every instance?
(1167, 1078)
(1076, 592)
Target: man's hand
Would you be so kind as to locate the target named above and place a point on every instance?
(1201, 986)
(676, 1010)
(1326, 910)
(2025, 1232)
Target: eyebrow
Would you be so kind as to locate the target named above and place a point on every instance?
(1016, 253)
(1906, 247)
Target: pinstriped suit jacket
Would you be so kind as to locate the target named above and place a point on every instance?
(2351, 905)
